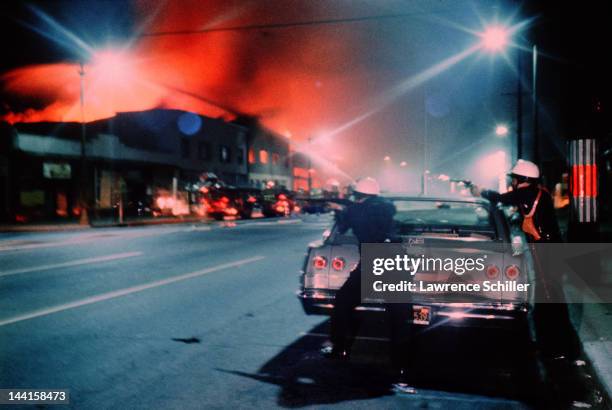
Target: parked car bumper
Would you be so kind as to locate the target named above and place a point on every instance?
(478, 315)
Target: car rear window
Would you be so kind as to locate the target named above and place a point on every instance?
(443, 217)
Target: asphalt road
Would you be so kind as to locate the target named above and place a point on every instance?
(196, 316)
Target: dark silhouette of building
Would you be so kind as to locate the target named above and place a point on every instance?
(131, 157)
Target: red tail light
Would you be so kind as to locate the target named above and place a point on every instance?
(319, 262)
(251, 199)
(512, 272)
(338, 264)
(492, 271)
(225, 199)
(282, 197)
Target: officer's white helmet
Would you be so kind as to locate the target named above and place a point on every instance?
(367, 186)
(525, 169)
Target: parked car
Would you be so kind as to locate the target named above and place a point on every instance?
(278, 203)
(314, 206)
(248, 202)
(445, 222)
(231, 203)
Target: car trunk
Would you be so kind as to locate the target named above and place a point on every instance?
(499, 258)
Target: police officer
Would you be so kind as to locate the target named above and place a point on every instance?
(533, 202)
(370, 217)
(539, 223)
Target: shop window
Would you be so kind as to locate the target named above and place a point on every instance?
(275, 158)
(251, 156)
(263, 156)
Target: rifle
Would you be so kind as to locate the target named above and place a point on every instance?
(324, 201)
(466, 182)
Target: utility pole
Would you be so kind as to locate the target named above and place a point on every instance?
(310, 167)
(536, 136)
(83, 205)
(519, 108)
(425, 162)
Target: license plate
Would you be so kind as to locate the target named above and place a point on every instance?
(421, 315)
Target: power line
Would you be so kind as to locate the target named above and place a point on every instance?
(250, 27)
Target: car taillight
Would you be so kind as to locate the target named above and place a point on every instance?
(512, 272)
(492, 271)
(338, 264)
(319, 262)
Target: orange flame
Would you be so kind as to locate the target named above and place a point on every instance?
(291, 78)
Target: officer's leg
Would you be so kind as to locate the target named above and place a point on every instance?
(344, 321)
(542, 314)
(401, 331)
(554, 329)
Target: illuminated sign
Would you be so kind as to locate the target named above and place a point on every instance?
(583, 179)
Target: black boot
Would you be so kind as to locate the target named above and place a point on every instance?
(329, 352)
(401, 385)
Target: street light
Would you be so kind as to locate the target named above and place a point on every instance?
(310, 166)
(501, 130)
(387, 158)
(494, 39)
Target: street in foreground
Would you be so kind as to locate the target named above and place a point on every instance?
(194, 316)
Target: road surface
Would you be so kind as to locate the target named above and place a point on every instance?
(205, 316)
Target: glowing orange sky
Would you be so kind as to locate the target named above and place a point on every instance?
(289, 78)
(304, 80)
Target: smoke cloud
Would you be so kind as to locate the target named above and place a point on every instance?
(301, 80)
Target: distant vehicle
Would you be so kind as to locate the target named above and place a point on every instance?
(233, 203)
(452, 223)
(248, 202)
(314, 206)
(278, 203)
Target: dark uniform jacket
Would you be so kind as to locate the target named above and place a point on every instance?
(544, 217)
(371, 220)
